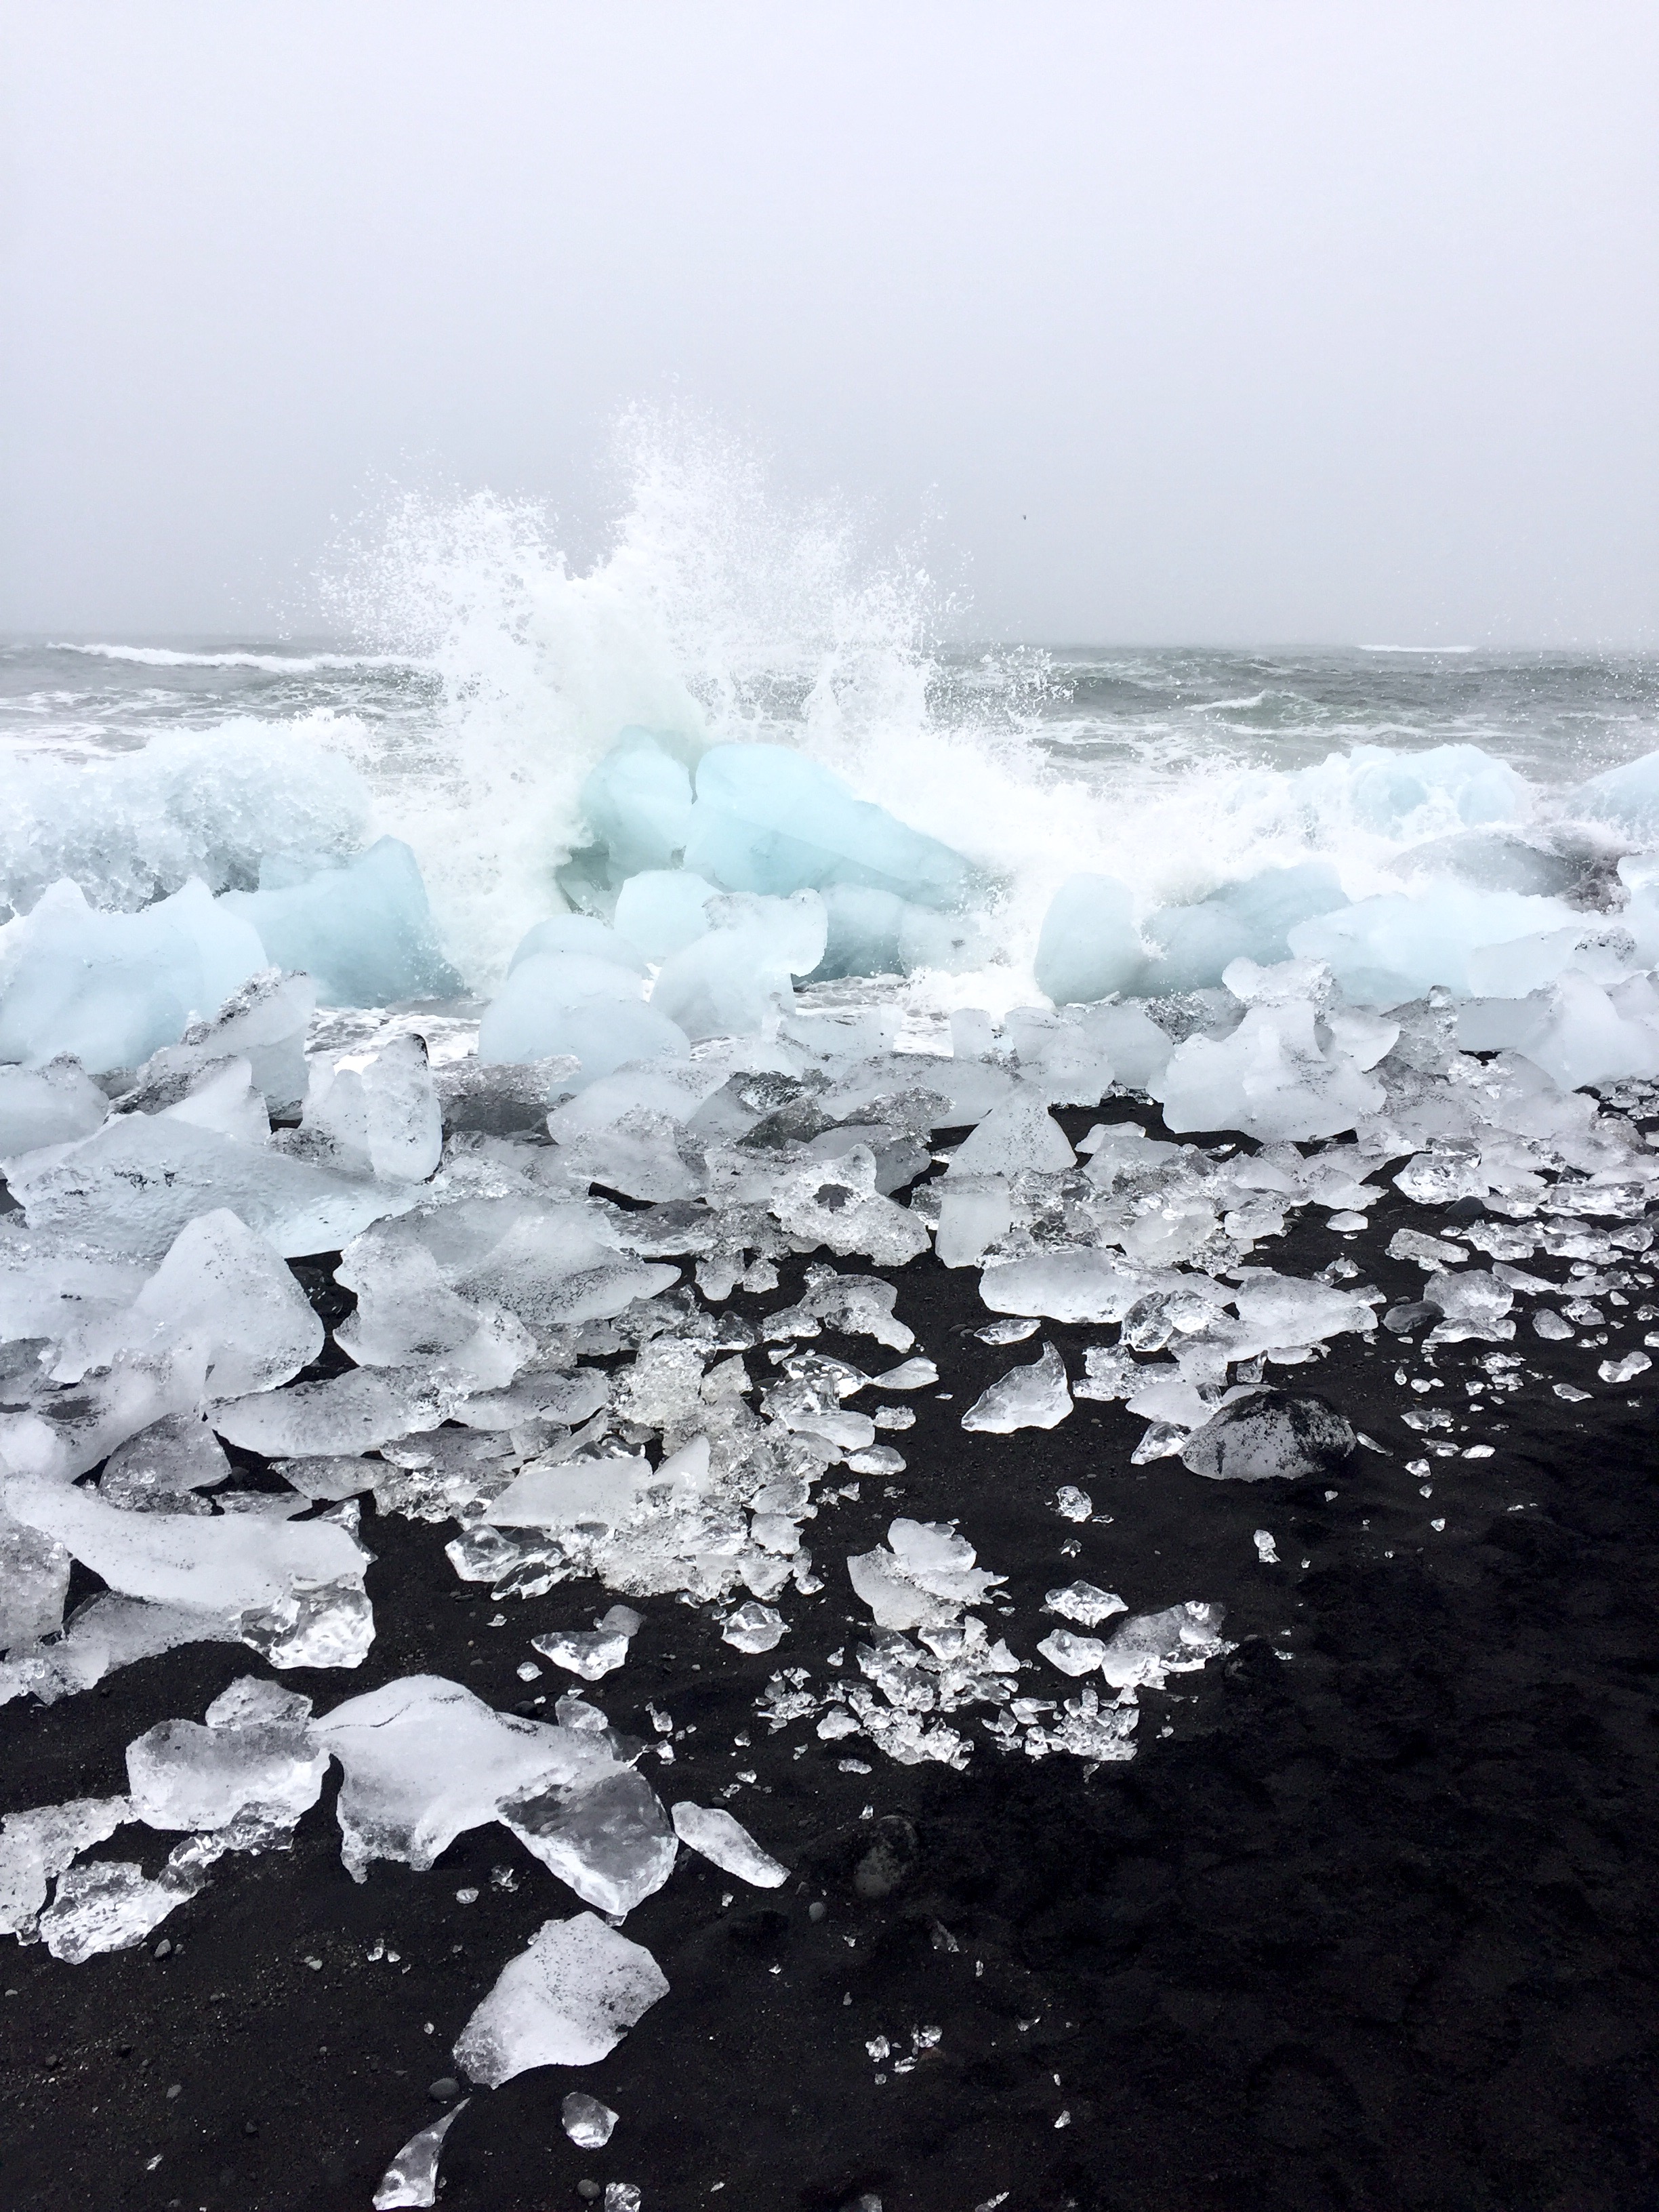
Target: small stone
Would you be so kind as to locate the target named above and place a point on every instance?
(174, 2088)
(163, 1949)
(816, 1910)
(589, 2189)
(250, 2127)
(444, 2089)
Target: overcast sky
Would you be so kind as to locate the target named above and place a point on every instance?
(1223, 321)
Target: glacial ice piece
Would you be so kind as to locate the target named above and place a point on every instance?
(34, 1573)
(837, 1204)
(1016, 1137)
(737, 976)
(637, 802)
(1071, 1286)
(411, 2179)
(1084, 1603)
(158, 1469)
(1626, 798)
(565, 2001)
(583, 934)
(1072, 1654)
(1473, 1304)
(1034, 1397)
(179, 1084)
(38, 1844)
(256, 1751)
(1390, 949)
(1492, 861)
(609, 1840)
(564, 1003)
(769, 820)
(588, 2124)
(373, 1114)
(593, 1653)
(662, 911)
(407, 1315)
(1277, 1312)
(363, 932)
(425, 1760)
(1149, 1646)
(1194, 944)
(1401, 794)
(53, 1105)
(1273, 1078)
(103, 1634)
(755, 1627)
(346, 1414)
(571, 1494)
(874, 932)
(727, 1843)
(110, 1904)
(858, 1305)
(1089, 946)
(134, 1184)
(974, 1211)
(1269, 1435)
(922, 1577)
(226, 1565)
(265, 1024)
(1582, 1040)
(110, 988)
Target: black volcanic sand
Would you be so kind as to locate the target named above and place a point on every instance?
(1368, 1922)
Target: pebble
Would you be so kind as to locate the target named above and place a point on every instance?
(445, 2089)
(817, 1908)
(174, 2089)
(164, 1948)
(589, 2189)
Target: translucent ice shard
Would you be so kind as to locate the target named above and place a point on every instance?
(1034, 1397)
(54, 1104)
(922, 1577)
(608, 1838)
(837, 1205)
(1084, 1603)
(372, 1113)
(256, 1750)
(588, 2124)
(34, 1572)
(727, 1843)
(412, 2177)
(110, 1904)
(1071, 1286)
(1150, 1645)
(37, 1845)
(754, 1627)
(565, 2001)
(364, 931)
(347, 1413)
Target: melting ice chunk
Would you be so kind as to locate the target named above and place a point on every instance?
(565, 2001)
(588, 2124)
(110, 1904)
(412, 2177)
(36, 1845)
(364, 931)
(727, 1843)
(1034, 1397)
(256, 1750)
(754, 1627)
(924, 1580)
(1150, 1645)
(592, 1653)
(50, 1105)
(1084, 1603)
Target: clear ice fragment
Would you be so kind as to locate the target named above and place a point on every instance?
(727, 1843)
(565, 2000)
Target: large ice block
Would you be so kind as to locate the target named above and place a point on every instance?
(738, 976)
(555, 1003)
(364, 931)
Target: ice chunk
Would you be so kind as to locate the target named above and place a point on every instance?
(579, 933)
(1269, 1435)
(1387, 950)
(923, 1580)
(374, 1113)
(425, 1760)
(555, 1003)
(1084, 1603)
(565, 2001)
(1253, 919)
(412, 2177)
(1089, 946)
(54, 1104)
(637, 802)
(34, 1572)
(132, 1186)
(229, 1567)
(1034, 1397)
(571, 1494)
(1580, 1039)
(1149, 1646)
(588, 2124)
(608, 1839)
(1072, 1654)
(728, 1843)
(110, 987)
(1475, 1303)
(1070, 1286)
(110, 1904)
(364, 932)
(1016, 1137)
(256, 1751)
(769, 820)
(1626, 798)
(407, 1315)
(163, 1464)
(754, 1627)
(1626, 1369)
(1277, 1312)
(593, 1653)
(858, 1305)
(209, 1094)
(909, 1375)
(265, 1024)
(1273, 1078)
(873, 933)
(662, 911)
(347, 1413)
(37, 1845)
(835, 1204)
(736, 977)
(973, 1212)
(1402, 795)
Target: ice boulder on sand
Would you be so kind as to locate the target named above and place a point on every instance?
(662, 910)
(1268, 1436)
(50, 1105)
(1090, 946)
(581, 933)
(110, 988)
(738, 976)
(364, 931)
(637, 803)
(565, 2001)
(1385, 950)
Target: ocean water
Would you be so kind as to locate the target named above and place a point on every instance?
(473, 675)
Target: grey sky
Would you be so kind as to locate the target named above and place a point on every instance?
(1200, 322)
